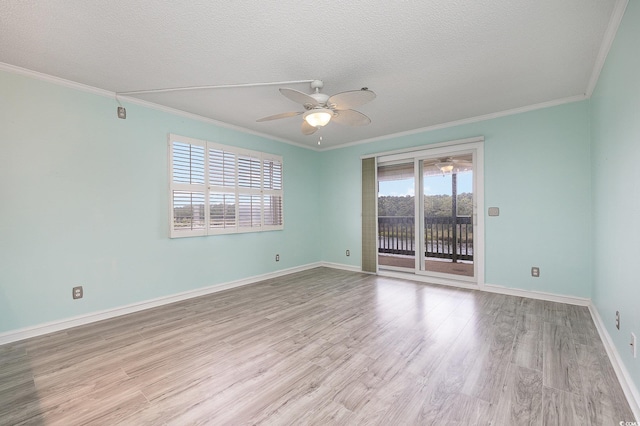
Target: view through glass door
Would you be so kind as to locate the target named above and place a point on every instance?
(447, 215)
(396, 217)
(431, 233)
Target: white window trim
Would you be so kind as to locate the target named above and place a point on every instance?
(236, 190)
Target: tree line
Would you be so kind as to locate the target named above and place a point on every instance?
(434, 205)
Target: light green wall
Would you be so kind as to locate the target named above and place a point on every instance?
(537, 171)
(84, 201)
(615, 135)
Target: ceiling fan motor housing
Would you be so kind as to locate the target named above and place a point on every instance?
(321, 98)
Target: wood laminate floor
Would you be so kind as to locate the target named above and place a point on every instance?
(321, 347)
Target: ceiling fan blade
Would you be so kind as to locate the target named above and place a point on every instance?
(350, 99)
(308, 129)
(350, 117)
(299, 97)
(279, 116)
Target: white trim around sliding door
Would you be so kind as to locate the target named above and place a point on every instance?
(390, 155)
(451, 148)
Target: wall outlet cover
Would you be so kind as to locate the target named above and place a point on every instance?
(77, 292)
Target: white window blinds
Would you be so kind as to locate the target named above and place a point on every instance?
(222, 189)
(272, 191)
(219, 189)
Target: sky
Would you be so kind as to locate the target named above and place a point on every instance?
(434, 185)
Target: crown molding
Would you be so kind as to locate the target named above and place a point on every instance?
(135, 101)
(55, 80)
(455, 123)
(609, 35)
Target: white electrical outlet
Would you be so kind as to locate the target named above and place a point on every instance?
(633, 344)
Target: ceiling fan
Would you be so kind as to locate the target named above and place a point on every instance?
(449, 164)
(320, 108)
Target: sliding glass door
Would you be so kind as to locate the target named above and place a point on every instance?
(447, 215)
(396, 216)
(427, 213)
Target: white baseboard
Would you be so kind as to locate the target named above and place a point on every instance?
(342, 266)
(53, 326)
(539, 295)
(629, 388)
(491, 288)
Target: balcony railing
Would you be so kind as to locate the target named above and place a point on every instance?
(445, 237)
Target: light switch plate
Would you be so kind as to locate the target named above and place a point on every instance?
(494, 211)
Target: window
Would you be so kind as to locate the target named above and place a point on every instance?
(219, 189)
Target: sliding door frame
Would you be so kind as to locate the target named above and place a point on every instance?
(421, 258)
(405, 270)
(450, 148)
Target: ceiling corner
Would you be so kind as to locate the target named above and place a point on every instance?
(607, 41)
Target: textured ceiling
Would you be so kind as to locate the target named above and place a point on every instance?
(429, 62)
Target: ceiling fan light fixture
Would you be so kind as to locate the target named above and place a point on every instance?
(445, 167)
(318, 117)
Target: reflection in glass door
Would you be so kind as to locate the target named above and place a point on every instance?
(396, 217)
(447, 213)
